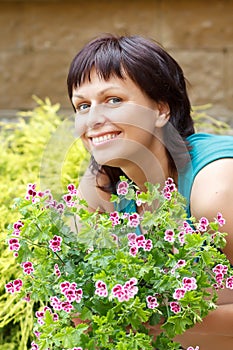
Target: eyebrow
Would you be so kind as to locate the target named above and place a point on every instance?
(99, 93)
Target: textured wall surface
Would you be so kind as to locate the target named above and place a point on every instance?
(38, 40)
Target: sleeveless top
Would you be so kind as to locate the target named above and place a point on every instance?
(204, 149)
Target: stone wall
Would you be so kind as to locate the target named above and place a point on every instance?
(38, 39)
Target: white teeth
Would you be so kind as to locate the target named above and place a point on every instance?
(103, 138)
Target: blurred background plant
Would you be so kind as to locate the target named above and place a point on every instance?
(41, 148)
(24, 146)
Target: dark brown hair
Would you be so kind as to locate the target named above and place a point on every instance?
(154, 71)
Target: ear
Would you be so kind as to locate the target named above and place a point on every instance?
(163, 114)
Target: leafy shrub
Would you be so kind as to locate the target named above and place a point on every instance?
(40, 148)
(24, 148)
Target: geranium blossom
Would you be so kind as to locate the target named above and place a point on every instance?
(72, 189)
(229, 282)
(169, 236)
(134, 220)
(203, 224)
(220, 220)
(175, 307)
(115, 218)
(168, 188)
(55, 243)
(14, 286)
(179, 293)
(14, 244)
(57, 271)
(17, 227)
(101, 289)
(122, 188)
(189, 283)
(126, 291)
(27, 267)
(151, 302)
(34, 346)
(220, 269)
(70, 291)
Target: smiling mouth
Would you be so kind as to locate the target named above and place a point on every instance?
(104, 138)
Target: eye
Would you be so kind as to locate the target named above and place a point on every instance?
(82, 107)
(114, 100)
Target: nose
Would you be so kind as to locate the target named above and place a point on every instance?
(96, 117)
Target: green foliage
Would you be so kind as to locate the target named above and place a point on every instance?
(101, 254)
(39, 149)
(23, 154)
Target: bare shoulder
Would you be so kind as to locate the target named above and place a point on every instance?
(96, 198)
(212, 192)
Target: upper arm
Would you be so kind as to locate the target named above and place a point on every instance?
(95, 197)
(212, 192)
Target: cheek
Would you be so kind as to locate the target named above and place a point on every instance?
(80, 126)
(86, 143)
(135, 116)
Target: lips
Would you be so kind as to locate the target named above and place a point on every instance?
(97, 140)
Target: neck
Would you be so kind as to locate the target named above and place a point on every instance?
(149, 168)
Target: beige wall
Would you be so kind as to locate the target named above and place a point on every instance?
(38, 39)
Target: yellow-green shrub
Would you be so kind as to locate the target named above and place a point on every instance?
(25, 154)
(41, 148)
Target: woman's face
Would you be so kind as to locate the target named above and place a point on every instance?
(115, 119)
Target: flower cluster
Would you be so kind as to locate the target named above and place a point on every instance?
(136, 242)
(150, 272)
(70, 291)
(17, 227)
(50, 203)
(115, 218)
(188, 283)
(169, 188)
(126, 291)
(69, 198)
(220, 271)
(14, 286)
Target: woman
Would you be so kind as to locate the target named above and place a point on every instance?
(133, 115)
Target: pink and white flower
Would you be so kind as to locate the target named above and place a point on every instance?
(134, 220)
(229, 282)
(179, 293)
(14, 286)
(55, 243)
(169, 236)
(14, 244)
(175, 307)
(203, 224)
(122, 188)
(101, 288)
(152, 302)
(126, 291)
(27, 267)
(220, 220)
(189, 283)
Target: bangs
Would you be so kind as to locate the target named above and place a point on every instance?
(106, 59)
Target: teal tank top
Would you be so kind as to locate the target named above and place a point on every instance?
(204, 149)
